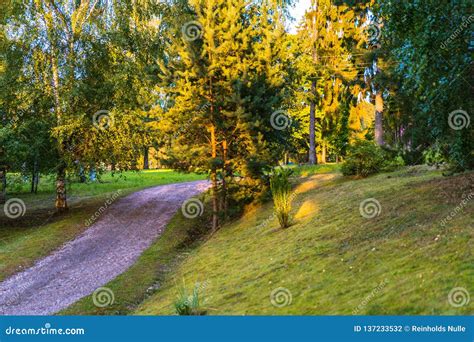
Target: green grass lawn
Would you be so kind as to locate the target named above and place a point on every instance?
(40, 231)
(309, 170)
(331, 260)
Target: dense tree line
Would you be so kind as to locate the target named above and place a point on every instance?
(220, 87)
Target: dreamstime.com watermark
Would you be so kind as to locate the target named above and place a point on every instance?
(203, 110)
(369, 297)
(370, 208)
(464, 24)
(192, 30)
(374, 32)
(199, 288)
(102, 297)
(103, 208)
(273, 216)
(459, 119)
(281, 297)
(459, 208)
(458, 297)
(46, 330)
(14, 208)
(102, 120)
(15, 298)
(280, 120)
(192, 208)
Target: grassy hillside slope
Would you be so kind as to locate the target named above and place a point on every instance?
(332, 260)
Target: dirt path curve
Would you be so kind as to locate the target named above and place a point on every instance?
(108, 248)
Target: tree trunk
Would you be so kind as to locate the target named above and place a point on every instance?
(61, 198)
(215, 204)
(3, 184)
(36, 181)
(312, 109)
(312, 124)
(323, 153)
(224, 179)
(34, 174)
(57, 102)
(379, 118)
(146, 164)
(32, 190)
(212, 129)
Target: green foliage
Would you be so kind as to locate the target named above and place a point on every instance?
(62, 63)
(434, 156)
(431, 68)
(282, 195)
(189, 304)
(68, 62)
(227, 82)
(324, 70)
(392, 164)
(364, 158)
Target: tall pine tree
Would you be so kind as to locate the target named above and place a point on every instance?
(228, 80)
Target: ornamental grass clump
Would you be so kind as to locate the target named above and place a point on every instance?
(189, 304)
(281, 192)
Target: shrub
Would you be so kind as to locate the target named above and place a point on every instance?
(412, 156)
(281, 192)
(433, 156)
(364, 158)
(393, 158)
(189, 304)
(391, 164)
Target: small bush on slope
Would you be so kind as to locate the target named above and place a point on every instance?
(188, 304)
(281, 192)
(365, 158)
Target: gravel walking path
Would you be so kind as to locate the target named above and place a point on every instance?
(108, 248)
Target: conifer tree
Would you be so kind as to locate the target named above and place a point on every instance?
(327, 35)
(228, 80)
